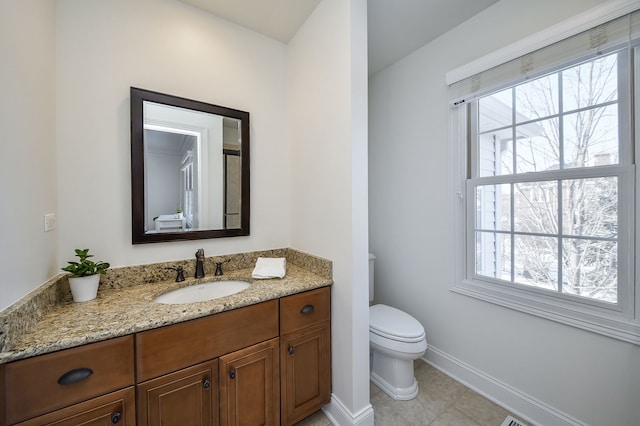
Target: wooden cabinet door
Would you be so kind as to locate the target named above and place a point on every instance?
(249, 386)
(187, 397)
(116, 408)
(305, 360)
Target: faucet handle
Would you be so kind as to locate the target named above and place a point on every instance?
(179, 273)
(219, 267)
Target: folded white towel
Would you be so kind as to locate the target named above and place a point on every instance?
(270, 267)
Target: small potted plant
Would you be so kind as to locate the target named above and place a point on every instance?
(85, 276)
(179, 213)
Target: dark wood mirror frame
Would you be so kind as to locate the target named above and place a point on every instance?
(139, 236)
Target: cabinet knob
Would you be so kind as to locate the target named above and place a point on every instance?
(206, 384)
(115, 418)
(307, 309)
(232, 374)
(291, 350)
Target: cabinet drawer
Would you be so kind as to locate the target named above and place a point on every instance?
(305, 309)
(114, 408)
(48, 382)
(178, 346)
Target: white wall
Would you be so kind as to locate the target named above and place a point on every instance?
(106, 46)
(571, 374)
(308, 106)
(328, 134)
(28, 190)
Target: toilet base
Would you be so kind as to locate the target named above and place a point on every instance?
(400, 394)
(394, 375)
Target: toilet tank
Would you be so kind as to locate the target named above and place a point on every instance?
(372, 259)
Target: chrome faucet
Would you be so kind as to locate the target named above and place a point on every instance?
(200, 263)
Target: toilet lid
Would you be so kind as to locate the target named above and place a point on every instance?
(394, 324)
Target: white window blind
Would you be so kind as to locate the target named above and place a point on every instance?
(601, 39)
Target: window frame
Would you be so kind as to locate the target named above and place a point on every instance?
(621, 320)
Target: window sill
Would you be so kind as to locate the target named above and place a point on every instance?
(596, 320)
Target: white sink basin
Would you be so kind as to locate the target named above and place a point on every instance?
(202, 292)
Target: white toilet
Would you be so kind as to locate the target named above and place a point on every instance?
(396, 339)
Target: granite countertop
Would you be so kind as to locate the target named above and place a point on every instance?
(122, 311)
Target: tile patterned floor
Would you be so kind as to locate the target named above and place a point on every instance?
(441, 402)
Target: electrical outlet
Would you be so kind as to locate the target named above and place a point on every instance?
(49, 222)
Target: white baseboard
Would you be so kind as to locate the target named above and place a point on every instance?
(341, 416)
(525, 406)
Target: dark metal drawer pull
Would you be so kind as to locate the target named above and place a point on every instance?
(74, 376)
(232, 374)
(206, 384)
(116, 417)
(307, 309)
(292, 350)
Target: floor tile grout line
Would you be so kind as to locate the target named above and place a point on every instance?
(455, 404)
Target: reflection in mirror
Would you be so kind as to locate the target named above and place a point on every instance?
(190, 169)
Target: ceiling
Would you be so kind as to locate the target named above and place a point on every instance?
(278, 19)
(395, 27)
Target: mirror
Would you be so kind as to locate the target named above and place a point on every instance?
(189, 169)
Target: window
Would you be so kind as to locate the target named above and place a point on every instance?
(549, 192)
(546, 172)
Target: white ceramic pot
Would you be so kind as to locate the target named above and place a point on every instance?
(84, 288)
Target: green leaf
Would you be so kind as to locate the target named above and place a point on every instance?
(85, 267)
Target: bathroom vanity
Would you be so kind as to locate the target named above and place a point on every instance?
(259, 358)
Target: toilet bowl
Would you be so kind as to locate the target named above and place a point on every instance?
(396, 339)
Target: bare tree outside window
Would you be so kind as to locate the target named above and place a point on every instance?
(557, 232)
